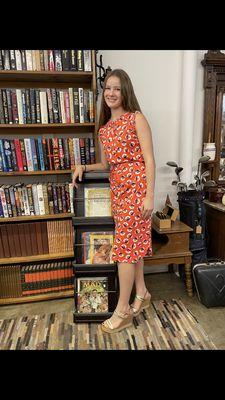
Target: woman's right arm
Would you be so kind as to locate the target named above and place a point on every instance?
(102, 166)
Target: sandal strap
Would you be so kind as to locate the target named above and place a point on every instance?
(120, 315)
(141, 298)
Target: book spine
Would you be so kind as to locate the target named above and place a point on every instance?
(41, 155)
(19, 105)
(4, 203)
(76, 105)
(9, 104)
(4, 160)
(40, 195)
(43, 107)
(87, 60)
(28, 151)
(30, 199)
(81, 104)
(35, 199)
(23, 152)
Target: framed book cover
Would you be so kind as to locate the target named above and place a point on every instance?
(97, 202)
(92, 295)
(97, 247)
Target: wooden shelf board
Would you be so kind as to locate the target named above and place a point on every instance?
(44, 126)
(43, 76)
(39, 257)
(49, 172)
(38, 297)
(36, 217)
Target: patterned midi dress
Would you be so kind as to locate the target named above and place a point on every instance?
(128, 189)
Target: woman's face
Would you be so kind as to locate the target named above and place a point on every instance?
(112, 93)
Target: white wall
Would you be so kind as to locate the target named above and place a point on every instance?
(157, 79)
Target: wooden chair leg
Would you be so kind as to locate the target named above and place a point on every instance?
(189, 286)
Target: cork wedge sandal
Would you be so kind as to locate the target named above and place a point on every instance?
(126, 321)
(145, 303)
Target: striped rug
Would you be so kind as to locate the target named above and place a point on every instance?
(166, 325)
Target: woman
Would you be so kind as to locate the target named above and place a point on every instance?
(126, 147)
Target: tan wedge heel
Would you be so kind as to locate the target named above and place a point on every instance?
(145, 303)
(126, 322)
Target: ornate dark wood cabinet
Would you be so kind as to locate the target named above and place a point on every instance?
(214, 132)
(214, 112)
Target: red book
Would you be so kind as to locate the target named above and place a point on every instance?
(19, 156)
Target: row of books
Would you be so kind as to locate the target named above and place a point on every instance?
(46, 106)
(33, 238)
(44, 154)
(32, 279)
(46, 60)
(36, 199)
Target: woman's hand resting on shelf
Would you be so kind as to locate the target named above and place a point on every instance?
(78, 173)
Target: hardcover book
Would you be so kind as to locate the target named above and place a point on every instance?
(97, 202)
(92, 295)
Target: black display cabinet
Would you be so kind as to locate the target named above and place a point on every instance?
(95, 284)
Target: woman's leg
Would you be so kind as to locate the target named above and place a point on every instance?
(126, 273)
(139, 281)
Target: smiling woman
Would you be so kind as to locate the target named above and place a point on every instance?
(126, 147)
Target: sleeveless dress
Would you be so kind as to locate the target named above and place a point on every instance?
(128, 189)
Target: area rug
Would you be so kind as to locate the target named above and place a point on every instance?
(166, 325)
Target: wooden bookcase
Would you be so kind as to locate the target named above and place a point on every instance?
(18, 79)
(93, 224)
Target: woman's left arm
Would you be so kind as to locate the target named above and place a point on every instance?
(145, 138)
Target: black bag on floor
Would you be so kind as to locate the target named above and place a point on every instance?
(209, 279)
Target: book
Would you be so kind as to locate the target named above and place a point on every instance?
(97, 202)
(92, 295)
(97, 247)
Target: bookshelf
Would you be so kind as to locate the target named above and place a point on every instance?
(92, 272)
(60, 224)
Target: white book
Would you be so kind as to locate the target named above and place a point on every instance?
(25, 201)
(46, 60)
(43, 107)
(87, 60)
(3, 201)
(33, 55)
(62, 106)
(29, 60)
(71, 197)
(19, 105)
(81, 104)
(18, 60)
(71, 105)
(35, 198)
(76, 150)
(28, 151)
(41, 202)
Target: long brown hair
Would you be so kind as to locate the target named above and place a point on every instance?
(129, 100)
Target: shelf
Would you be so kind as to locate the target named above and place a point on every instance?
(49, 172)
(46, 76)
(95, 269)
(36, 217)
(37, 297)
(91, 317)
(45, 126)
(39, 257)
(78, 221)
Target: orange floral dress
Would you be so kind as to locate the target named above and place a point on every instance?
(128, 189)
